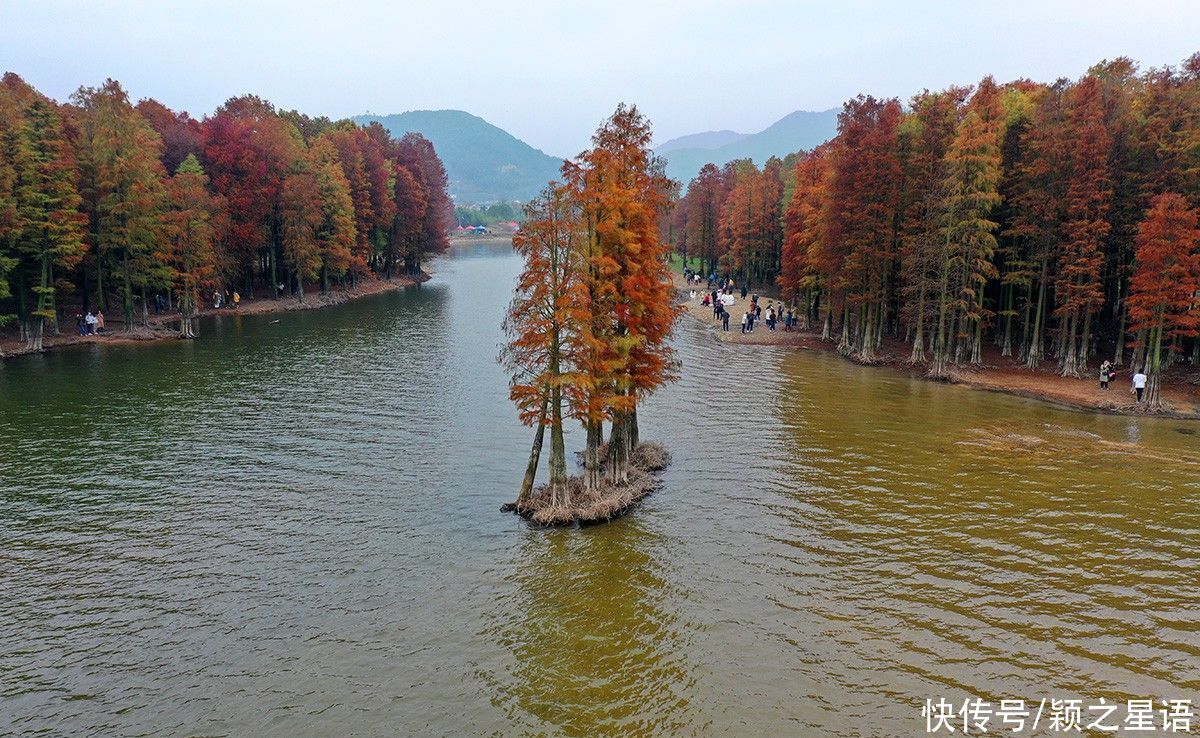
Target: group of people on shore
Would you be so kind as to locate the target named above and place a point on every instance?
(90, 324)
(224, 298)
(1137, 386)
(720, 300)
(720, 297)
(754, 313)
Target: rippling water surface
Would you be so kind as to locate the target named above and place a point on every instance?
(292, 527)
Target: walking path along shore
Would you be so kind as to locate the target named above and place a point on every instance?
(1180, 390)
(165, 326)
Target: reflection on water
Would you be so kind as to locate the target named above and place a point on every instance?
(594, 648)
(291, 528)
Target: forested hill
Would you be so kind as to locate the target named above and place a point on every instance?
(484, 163)
(799, 130)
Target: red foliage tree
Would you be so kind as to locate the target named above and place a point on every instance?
(864, 194)
(1078, 292)
(1163, 291)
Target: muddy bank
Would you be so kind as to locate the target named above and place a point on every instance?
(1180, 390)
(165, 326)
(609, 501)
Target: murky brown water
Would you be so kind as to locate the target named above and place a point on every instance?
(291, 529)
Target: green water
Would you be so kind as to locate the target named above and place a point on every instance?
(292, 528)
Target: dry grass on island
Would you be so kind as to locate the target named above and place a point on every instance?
(607, 501)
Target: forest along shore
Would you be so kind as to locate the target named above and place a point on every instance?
(165, 325)
(1180, 390)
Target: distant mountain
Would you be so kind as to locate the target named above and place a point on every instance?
(799, 130)
(484, 163)
(706, 140)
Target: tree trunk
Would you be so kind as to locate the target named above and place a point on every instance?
(560, 490)
(186, 311)
(591, 455)
(1153, 398)
(1036, 341)
(867, 346)
(1070, 360)
(1119, 351)
(101, 305)
(35, 333)
(940, 348)
(1006, 345)
(977, 337)
(918, 347)
(128, 289)
(535, 455)
(1139, 353)
(618, 449)
(844, 344)
(1026, 317)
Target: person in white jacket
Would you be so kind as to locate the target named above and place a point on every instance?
(1139, 384)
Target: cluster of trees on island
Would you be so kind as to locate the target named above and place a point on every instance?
(106, 199)
(594, 308)
(1057, 221)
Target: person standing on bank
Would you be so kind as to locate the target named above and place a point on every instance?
(1104, 375)
(1139, 384)
(725, 320)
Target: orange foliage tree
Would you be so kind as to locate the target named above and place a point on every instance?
(590, 325)
(543, 341)
(1079, 292)
(864, 194)
(1165, 284)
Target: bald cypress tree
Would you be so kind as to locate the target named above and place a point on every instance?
(1162, 301)
(1079, 292)
(48, 225)
(967, 233)
(120, 159)
(190, 235)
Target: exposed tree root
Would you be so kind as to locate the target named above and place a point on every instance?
(602, 504)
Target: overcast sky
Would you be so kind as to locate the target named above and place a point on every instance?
(549, 71)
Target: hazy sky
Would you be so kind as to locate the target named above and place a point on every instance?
(550, 71)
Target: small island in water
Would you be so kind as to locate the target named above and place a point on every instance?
(589, 325)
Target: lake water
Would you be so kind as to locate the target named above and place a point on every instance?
(291, 526)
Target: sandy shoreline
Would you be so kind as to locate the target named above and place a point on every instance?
(1181, 389)
(164, 326)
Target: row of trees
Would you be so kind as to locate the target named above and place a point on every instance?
(1049, 219)
(594, 308)
(116, 202)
